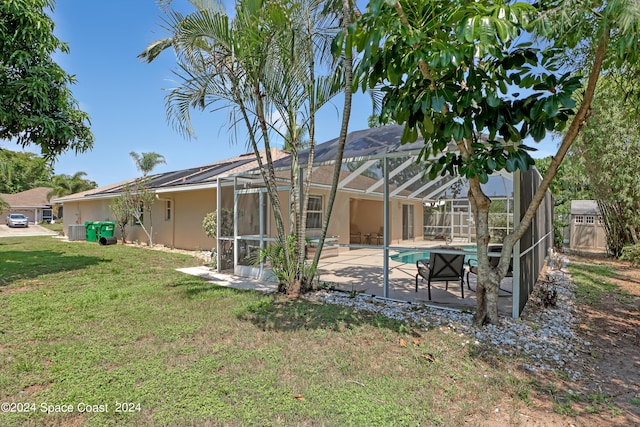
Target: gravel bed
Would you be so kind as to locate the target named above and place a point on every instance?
(545, 334)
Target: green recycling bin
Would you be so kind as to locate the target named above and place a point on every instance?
(105, 229)
(91, 231)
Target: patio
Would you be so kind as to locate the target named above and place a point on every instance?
(361, 270)
(385, 204)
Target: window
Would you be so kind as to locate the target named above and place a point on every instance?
(167, 211)
(599, 220)
(590, 219)
(314, 212)
(579, 219)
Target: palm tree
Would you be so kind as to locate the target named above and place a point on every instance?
(146, 162)
(258, 63)
(63, 185)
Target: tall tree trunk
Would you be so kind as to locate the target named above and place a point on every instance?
(344, 129)
(489, 278)
(306, 184)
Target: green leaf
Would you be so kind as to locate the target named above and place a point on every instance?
(437, 103)
(538, 132)
(336, 44)
(428, 124)
(492, 99)
(409, 135)
(491, 163)
(550, 106)
(458, 132)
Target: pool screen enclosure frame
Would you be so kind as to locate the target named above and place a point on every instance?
(382, 146)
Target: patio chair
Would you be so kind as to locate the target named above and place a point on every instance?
(441, 267)
(379, 236)
(494, 260)
(355, 236)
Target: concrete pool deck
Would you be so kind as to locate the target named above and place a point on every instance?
(362, 270)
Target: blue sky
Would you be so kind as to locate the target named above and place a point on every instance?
(125, 97)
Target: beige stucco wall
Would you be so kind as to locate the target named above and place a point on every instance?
(364, 212)
(183, 230)
(188, 208)
(91, 210)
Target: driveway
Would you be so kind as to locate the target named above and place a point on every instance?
(32, 230)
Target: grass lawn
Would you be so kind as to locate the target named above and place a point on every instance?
(57, 226)
(83, 324)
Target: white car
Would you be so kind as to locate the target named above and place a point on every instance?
(17, 220)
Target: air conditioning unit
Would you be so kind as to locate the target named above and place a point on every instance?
(77, 232)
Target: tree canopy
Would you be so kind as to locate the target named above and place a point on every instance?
(264, 66)
(146, 162)
(23, 171)
(36, 103)
(64, 184)
(454, 69)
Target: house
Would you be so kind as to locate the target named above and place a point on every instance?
(586, 228)
(183, 198)
(378, 209)
(32, 203)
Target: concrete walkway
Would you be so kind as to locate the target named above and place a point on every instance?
(228, 280)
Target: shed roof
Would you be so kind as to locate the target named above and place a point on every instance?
(584, 207)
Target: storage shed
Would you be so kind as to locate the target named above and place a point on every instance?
(587, 231)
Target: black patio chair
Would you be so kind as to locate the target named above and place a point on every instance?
(441, 267)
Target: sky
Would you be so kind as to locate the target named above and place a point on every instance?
(125, 98)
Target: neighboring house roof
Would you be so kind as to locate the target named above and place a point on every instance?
(584, 207)
(34, 198)
(197, 177)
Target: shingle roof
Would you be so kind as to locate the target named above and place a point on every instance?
(34, 198)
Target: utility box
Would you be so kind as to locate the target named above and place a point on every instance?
(77, 232)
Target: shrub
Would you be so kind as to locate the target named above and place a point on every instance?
(632, 254)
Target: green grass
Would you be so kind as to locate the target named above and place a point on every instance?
(57, 227)
(593, 284)
(83, 323)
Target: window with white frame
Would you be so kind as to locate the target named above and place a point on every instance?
(599, 220)
(314, 212)
(167, 211)
(590, 219)
(579, 219)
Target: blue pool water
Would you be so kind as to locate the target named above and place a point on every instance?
(410, 257)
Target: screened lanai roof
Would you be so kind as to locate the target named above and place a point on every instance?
(363, 156)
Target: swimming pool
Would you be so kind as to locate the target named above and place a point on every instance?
(410, 257)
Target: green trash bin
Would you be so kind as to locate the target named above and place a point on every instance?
(91, 231)
(105, 229)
